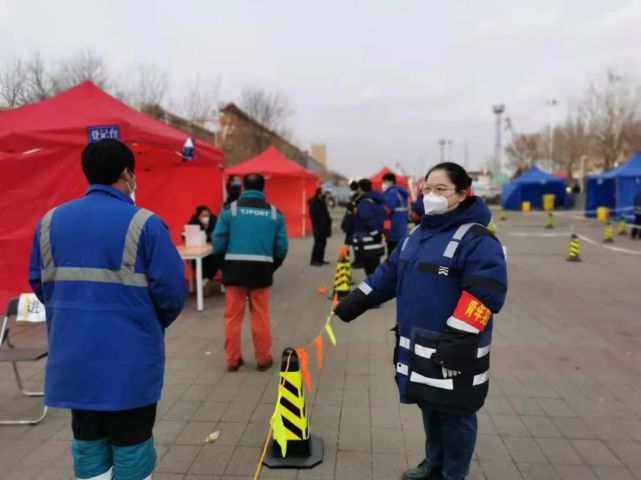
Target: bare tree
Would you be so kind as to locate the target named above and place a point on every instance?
(13, 83)
(147, 86)
(610, 109)
(199, 105)
(40, 83)
(84, 65)
(571, 142)
(271, 109)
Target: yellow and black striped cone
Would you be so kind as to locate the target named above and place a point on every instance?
(343, 276)
(303, 449)
(622, 229)
(574, 250)
(608, 236)
(503, 215)
(549, 221)
(491, 226)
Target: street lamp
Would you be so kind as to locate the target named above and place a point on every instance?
(551, 103)
(498, 111)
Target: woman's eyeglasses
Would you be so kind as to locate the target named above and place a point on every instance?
(438, 190)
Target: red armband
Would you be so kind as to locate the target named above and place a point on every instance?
(470, 311)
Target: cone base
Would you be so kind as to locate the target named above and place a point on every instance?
(573, 259)
(609, 240)
(549, 226)
(315, 457)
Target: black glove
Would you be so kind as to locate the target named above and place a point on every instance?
(352, 306)
(456, 349)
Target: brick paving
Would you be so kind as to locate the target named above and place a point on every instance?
(564, 403)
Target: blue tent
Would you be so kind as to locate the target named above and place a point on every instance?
(615, 188)
(530, 187)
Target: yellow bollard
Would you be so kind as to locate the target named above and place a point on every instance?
(526, 207)
(548, 202)
(603, 214)
(549, 221)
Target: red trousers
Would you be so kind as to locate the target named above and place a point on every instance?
(235, 300)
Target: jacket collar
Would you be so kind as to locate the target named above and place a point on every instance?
(107, 190)
(254, 194)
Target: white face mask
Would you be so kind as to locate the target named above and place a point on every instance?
(435, 204)
(204, 221)
(132, 189)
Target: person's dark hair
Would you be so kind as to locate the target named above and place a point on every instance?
(200, 209)
(104, 161)
(353, 185)
(389, 177)
(365, 184)
(254, 181)
(457, 175)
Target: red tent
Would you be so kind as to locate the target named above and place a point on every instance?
(288, 186)
(40, 146)
(377, 179)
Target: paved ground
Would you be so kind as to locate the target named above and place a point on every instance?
(565, 397)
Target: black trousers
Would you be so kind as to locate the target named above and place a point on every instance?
(636, 232)
(124, 428)
(370, 264)
(318, 250)
(391, 245)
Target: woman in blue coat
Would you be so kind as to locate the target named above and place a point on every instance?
(449, 278)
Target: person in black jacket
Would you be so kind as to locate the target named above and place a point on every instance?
(207, 222)
(321, 225)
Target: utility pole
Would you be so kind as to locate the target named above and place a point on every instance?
(449, 150)
(442, 143)
(498, 111)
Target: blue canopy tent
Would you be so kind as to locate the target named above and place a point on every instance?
(530, 187)
(615, 188)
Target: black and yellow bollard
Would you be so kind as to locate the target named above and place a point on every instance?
(608, 236)
(303, 450)
(491, 226)
(503, 215)
(574, 251)
(343, 276)
(622, 228)
(549, 221)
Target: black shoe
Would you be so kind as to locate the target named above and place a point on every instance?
(235, 368)
(325, 263)
(316, 264)
(421, 472)
(265, 366)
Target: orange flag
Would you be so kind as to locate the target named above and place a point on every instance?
(318, 343)
(302, 357)
(335, 300)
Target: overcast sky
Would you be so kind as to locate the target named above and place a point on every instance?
(378, 81)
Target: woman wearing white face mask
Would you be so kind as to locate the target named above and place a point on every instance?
(207, 222)
(449, 277)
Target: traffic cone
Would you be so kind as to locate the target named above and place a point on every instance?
(503, 215)
(292, 425)
(491, 226)
(622, 229)
(549, 221)
(343, 258)
(574, 251)
(608, 236)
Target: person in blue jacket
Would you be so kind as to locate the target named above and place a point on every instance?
(397, 207)
(250, 242)
(112, 282)
(368, 226)
(449, 279)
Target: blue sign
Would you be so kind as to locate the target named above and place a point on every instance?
(100, 132)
